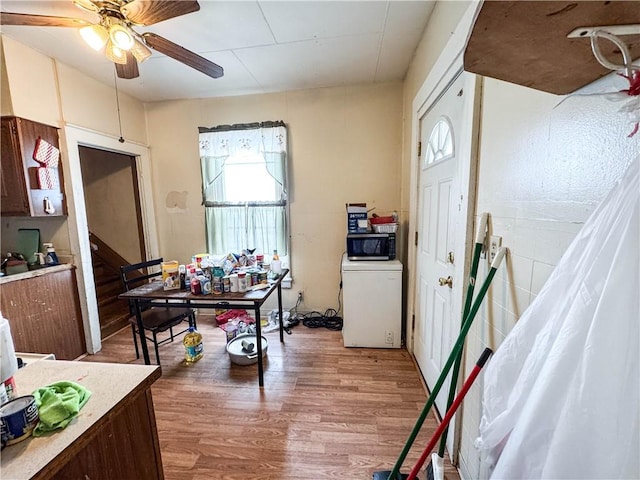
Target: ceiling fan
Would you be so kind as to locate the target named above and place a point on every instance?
(114, 31)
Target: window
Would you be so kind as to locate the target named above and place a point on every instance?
(244, 187)
(440, 145)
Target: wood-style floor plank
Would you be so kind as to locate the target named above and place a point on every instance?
(325, 412)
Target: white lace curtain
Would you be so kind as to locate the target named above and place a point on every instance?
(257, 217)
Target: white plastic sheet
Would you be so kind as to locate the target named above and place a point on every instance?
(562, 393)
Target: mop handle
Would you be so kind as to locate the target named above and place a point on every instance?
(477, 250)
(452, 410)
(480, 236)
(482, 228)
(445, 370)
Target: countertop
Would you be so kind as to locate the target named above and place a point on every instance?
(109, 384)
(36, 273)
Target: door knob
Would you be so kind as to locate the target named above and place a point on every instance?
(446, 281)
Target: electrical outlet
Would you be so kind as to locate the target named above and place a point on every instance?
(300, 296)
(495, 242)
(388, 338)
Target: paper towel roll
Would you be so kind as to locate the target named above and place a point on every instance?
(8, 360)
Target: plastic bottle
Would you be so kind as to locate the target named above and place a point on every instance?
(51, 258)
(193, 349)
(8, 360)
(182, 270)
(196, 287)
(276, 265)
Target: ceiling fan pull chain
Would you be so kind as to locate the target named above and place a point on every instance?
(115, 82)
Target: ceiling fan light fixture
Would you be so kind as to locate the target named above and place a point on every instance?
(96, 36)
(140, 51)
(115, 54)
(121, 37)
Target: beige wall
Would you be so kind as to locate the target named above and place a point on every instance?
(543, 167)
(441, 24)
(38, 88)
(32, 83)
(41, 89)
(344, 147)
(6, 107)
(90, 104)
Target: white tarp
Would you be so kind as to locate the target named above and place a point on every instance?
(562, 393)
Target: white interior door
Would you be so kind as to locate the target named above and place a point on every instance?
(438, 216)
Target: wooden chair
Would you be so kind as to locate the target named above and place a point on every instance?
(156, 318)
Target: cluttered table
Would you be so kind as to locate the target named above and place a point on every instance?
(154, 292)
(91, 446)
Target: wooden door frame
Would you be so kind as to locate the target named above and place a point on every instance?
(135, 179)
(446, 68)
(72, 138)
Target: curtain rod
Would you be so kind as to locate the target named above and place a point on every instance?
(242, 126)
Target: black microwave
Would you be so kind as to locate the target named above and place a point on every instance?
(371, 246)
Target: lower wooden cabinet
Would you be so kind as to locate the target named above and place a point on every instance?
(44, 314)
(113, 437)
(126, 446)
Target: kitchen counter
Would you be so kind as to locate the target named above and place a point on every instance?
(43, 309)
(35, 273)
(114, 430)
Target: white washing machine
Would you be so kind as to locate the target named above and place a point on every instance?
(372, 303)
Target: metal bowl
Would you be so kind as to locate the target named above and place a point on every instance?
(243, 349)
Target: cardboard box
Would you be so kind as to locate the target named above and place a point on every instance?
(170, 275)
(357, 217)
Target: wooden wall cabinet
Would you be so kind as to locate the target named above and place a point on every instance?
(21, 194)
(44, 313)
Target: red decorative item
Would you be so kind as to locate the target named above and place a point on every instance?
(46, 154)
(47, 178)
(633, 91)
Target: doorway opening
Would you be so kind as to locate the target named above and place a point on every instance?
(115, 228)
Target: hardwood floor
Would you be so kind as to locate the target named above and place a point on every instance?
(326, 412)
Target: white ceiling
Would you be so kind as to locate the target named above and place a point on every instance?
(263, 46)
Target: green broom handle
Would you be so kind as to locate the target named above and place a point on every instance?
(480, 235)
(468, 321)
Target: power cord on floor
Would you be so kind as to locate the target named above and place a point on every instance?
(329, 319)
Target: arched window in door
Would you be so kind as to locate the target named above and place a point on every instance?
(440, 145)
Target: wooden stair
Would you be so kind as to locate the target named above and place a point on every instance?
(113, 312)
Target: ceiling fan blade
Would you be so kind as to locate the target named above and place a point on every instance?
(128, 70)
(87, 5)
(183, 55)
(148, 12)
(26, 19)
